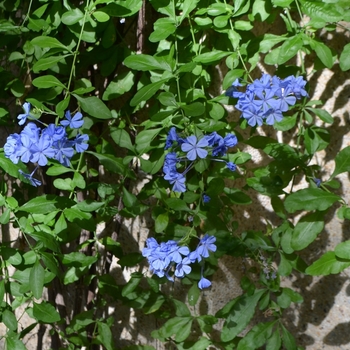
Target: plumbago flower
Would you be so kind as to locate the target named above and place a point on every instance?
(190, 150)
(169, 259)
(38, 145)
(266, 98)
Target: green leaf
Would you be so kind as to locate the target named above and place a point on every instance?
(288, 339)
(211, 57)
(36, 280)
(216, 110)
(269, 41)
(78, 181)
(146, 92)
(9, 320)
(58, 170)
(342, 162)
(94, 107)
(146, 63)
(105, 335)
(180, 326)
(310, 199)
(72, 16)
(153, 304)
(342, 250)
(101, 16)
(112, 163)
(322, 114)
(323, 52)
(132, 284)
(274, 342)
(131, 259)
(240, 315)
(187, 7)
(329, 263)
(47, 41)
(193, 294)
(163, 27)
(306, 230)
(144, 139)
(217, 9)
(290, 48)
(46, 204)
(5, 216)
(119, 85)
(287, 297)
(47, 81)
(45, 312)
(46, 63)
(243, 25)
(177, 204)
(193, 109)
(14, 344)
(330, 12)
(78, 259)
(181, 308)
(64, 184)
(122, 139)
(344, 61)
(161, 222)
(237, 197)
(122, 8)
(286, 123)
(82, 219)
(46, 239)
(231, 76)
(89, 205)
(257, 336)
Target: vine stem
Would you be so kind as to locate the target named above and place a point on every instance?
(27, 14)
(177, 61)
(72, 71)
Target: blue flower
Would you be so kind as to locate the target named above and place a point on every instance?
(12, 147)
(63, 151)
(206, 198)
(317, 182)
(183, 268)
(194, 148)
(29, 177)
(42, 150)
(231, 166)
(266, 98)
(25, 150)
(230, 140)
(171, 138)
(175, 251)
(80, 143)
(219, 151)
(232, 91)
(178, 183)
(74, 123)
(296, 85)
(204, 283)
(253, 116)
(23, 117)
(205, 246)
(214, 139)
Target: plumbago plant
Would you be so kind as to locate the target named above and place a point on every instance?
(94, 95)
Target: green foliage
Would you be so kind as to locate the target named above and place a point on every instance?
(135, 69)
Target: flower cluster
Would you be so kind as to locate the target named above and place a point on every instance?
(267, 269)
(168, 257)
(37, 145)
(267, 98)
(192, 149)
